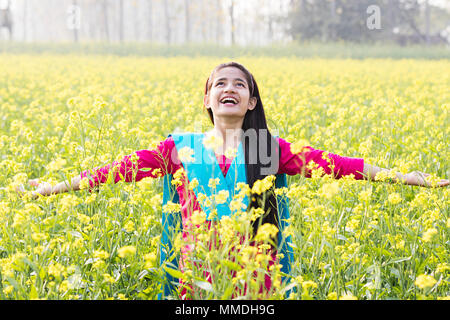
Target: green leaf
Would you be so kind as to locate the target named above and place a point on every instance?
(228, 292)
(231, 265)
(33, 293)
(399, 260)
(174, 273)
(142, 274)
(42, 273)
(395, 272)
(76, 281)
(289, 287)
(204, 285)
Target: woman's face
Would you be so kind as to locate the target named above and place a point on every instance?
(229, 95)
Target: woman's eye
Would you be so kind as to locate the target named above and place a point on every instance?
(219, 83)
(239, 84)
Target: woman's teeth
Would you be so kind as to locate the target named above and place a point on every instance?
(229, 101)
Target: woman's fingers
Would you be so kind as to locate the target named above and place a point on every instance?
(34, 182)
(428, 183)
(425, 180)
(44, 189)
(34, 195)
(20, 189)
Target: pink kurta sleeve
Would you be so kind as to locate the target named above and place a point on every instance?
(147, 161)
(292, 164)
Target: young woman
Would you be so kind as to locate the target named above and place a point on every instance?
(235, 108)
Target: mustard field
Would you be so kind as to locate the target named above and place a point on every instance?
(352, 239)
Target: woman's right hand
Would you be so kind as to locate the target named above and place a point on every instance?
(42, 188)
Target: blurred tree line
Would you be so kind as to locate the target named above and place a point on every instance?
(399, 21)
(224, 22)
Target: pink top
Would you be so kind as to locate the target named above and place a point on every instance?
(165, 158)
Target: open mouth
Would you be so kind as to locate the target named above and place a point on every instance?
(229, 101)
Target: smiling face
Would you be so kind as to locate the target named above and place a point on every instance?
(229, 94)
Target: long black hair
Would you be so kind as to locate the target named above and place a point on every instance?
(255, 120)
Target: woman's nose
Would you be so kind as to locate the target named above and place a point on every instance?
(229, 88)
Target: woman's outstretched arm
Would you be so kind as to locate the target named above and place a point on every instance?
(415, 178)
(146, 163)
(297, 163)
(46, 189)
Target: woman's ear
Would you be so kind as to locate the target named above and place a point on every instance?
(252, 103)
(206, 101)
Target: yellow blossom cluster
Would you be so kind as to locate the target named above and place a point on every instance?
(350, 239)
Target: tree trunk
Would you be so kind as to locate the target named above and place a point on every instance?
(75, 29)
(232, 21)
(187, 21)
(150, 20)
(269, 17)
(204, 11)
(166, 14)
(136, 20)
(218, 20)
(332, 22)
(427, 22)
(25, 7)
(121, 20)
(33, 22)
(105, 20)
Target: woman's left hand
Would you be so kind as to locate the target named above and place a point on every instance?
(417, 178)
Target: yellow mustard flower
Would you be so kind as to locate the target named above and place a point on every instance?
(126, 251)
(424, 281)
